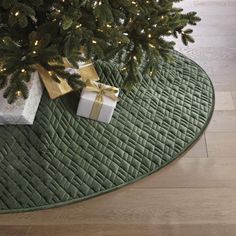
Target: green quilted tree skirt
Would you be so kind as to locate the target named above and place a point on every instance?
(63, 158)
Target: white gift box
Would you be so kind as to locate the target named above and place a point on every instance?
(23, 111)
(86, 70)
(87, 101)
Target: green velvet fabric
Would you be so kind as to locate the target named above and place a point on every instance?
(63, 158)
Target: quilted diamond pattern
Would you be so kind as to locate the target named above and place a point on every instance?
(63, 158)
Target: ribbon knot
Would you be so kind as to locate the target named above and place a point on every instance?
(101, 90)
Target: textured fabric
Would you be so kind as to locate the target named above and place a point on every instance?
(63, 158)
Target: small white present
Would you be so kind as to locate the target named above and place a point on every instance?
(98, 101)
(23, 111)
(86, 70)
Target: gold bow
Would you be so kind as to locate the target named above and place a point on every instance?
(101, 90)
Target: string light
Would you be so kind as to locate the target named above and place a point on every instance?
(36, 43)
(151, 45)
(148, 29)
(18, 93)
(78, 26)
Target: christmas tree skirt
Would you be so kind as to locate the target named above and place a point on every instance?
(63, 158)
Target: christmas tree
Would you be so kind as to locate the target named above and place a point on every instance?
(43, 32)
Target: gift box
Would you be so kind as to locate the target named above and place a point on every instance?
(23, 111)
(55, 90)
(87, 71)
(98, 101)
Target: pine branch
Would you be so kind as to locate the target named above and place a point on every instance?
(127, 32)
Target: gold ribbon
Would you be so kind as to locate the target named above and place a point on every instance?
(101, 90)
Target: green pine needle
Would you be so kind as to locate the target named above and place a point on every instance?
(122, 31)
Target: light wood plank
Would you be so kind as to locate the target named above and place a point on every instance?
(215, 10)
(223, 87)
(226, 83)
(13, 230)
(140, 206)
(224, 68)
(193, 173)
(198, 150)
(219, 41)
(215, 29)
(234, 96)
(215, 3)
(224, 101)
(221, 144)
(208, 53)
(223, 121)
(134, 230)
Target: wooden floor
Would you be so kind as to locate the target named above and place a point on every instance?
(194, 196)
